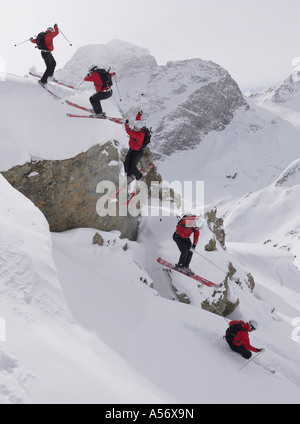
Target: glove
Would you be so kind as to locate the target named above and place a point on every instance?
(126, 121)
(262, 350)
(192, 249)
(31, 38)
(55, 25)
(141, 112)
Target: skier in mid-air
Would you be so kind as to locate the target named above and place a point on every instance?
(44, 42)
(237, 336)
(136, 148)
(103, 83)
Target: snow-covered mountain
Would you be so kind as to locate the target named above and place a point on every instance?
(183, 101)
(108, 324)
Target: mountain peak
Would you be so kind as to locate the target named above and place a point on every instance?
(121, 56)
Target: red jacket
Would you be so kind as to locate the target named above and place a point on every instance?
(49, 38)
(96, 79)
(242, 337)
(186, 227)
(137, 138)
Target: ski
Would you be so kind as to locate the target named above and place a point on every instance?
(134, 192)
(55, 81)
(195, 277)
(51, 92)
(116, 120)
(116, 194)
(78, 106)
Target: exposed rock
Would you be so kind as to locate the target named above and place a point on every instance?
(216, 226)
(65, 191)
(209, 108)
(250, 282)
(231, 270)
(211, 245)
(223, 301)
(290, 176)
(181, 297)
(98, 239)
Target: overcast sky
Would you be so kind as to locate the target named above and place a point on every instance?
(255, 40)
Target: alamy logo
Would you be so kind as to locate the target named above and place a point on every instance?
(2, 330)
(160, 199)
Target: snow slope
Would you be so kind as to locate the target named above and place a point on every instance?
(247, 156)
(47, 358)
(176, 347)
(34, 124)
(137, 347)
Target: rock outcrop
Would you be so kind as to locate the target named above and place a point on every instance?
(66, 191)
(224, 299)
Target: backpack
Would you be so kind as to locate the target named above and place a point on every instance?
(148, 134)
(40, 41)
(232, 331)
(105, 77)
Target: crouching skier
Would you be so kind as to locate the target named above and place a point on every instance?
(237, 336)
(189, 224)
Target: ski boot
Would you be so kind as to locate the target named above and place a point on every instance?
(188, 271)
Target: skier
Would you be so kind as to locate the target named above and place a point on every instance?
(136, 148)
(187, 226)
(238, 338)
(44, 42)
(102, 81)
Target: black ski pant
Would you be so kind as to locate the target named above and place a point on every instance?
(184, 246)
(240, 349)
(50, 66)
(97, 97)
(132, 159)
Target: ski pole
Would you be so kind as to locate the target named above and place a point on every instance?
(67, 98)
(120, 110)
(118, 87)
(64, 36)
(80, 84)
(18, 44)
(211, 263)
(141, 102)
(247, 363)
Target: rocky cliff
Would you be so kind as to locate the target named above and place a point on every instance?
(66, 190)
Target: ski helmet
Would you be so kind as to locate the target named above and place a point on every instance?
(138, 125)
(190, 219)
(253, 324)
(92, 68)
(50, 29)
